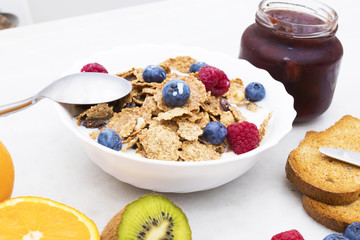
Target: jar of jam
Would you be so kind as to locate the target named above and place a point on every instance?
(294, 40)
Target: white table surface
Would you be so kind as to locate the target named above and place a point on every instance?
(49, 161)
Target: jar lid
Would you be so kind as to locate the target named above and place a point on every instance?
(298, 18)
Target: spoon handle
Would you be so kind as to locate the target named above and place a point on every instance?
(17, 106)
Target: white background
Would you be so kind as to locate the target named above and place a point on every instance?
(45, 10)
(50, 163)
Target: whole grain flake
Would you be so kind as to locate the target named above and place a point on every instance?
(160, 132)
(189, 130)
(160, 143)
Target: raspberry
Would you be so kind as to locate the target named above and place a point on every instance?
(94, 67)
(243, 137)
(288, 235)
(214, 79)
(222, 87)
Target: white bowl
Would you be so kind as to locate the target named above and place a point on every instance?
(168, 176)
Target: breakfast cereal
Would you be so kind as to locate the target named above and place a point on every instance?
(161, 132)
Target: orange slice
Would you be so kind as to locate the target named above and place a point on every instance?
(6, 173)
(35, 218)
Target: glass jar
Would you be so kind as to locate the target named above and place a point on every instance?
(295, 42)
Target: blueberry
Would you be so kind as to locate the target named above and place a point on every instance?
(154, 73)
(255, 92)
(111, 139)
(353, 231)
(215, 132)
(335, 236)
(175, 93)
(195, 67)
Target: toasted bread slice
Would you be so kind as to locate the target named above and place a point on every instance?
(323, 178)
(336, 218)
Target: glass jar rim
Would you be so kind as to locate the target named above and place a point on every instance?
(329, 18)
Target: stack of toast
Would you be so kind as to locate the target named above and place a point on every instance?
(330, 188)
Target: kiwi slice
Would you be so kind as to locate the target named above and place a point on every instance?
(151, 217)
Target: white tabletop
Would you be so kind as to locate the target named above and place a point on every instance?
(49, 161)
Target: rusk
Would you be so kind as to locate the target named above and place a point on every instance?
(336, 218)
(323, 178)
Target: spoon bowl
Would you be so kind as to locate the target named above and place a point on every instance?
(84, 88)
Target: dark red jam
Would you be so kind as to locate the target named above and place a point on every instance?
(293, 17)
(299, 50)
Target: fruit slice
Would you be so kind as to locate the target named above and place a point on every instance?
(6, 173)
(35, 218)
(151, 217)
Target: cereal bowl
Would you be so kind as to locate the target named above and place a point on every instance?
(174, 176)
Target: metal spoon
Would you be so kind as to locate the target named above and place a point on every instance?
(78, 88)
